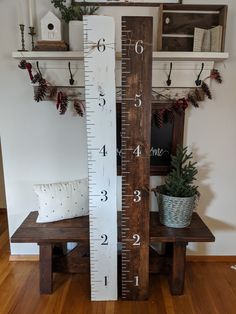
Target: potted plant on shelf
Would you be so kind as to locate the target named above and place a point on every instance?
(73, 15)
(177, 197)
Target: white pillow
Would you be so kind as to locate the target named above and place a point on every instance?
(62, 200)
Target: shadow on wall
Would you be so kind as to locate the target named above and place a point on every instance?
(2, 184)
(206, 197)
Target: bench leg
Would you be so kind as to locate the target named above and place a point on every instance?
(45, 268)
(178, 268)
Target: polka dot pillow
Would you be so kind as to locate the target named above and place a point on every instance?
(63, 200)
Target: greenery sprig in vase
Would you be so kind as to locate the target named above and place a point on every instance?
(180, 180)
(177, 197)
(73, 12)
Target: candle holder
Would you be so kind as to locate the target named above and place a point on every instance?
(22, 29)
(32, 33)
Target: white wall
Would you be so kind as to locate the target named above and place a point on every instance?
(2, 185)
(38, 145)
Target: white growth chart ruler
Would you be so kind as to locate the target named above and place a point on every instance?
(100, 97)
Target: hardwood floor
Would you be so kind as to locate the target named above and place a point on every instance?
(210, 288)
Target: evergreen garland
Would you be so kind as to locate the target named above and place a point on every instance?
(179, 182)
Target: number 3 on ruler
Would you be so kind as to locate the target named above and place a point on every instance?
(137, 196)
(104, 198)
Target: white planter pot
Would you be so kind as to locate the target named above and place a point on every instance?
(76, 39)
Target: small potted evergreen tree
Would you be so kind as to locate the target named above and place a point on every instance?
(177, 197)
(73, 15)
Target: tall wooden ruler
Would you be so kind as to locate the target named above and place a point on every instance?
(99, 58)
(136, 126)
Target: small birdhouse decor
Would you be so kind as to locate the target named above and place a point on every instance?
(51, 27)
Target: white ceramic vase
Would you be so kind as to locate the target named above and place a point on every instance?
(76, 35)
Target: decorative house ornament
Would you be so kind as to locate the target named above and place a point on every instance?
(51, 27)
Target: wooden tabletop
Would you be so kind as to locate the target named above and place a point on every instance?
(73, 230)
(60, 231)
(196, 232)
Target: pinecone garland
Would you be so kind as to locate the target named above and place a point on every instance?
(200, 95)
(64, 104)
(36, 78)
(192, 98)
(53, 91)
(41, 91)
(215, 74)
(28, 67)
(22, 64)
(206, 90)
(79, 107)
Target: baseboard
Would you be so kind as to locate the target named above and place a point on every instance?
(211, 258)
(24, 258)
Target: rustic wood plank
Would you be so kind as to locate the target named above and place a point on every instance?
(45, 265)
(136, 121)
(30, 231)
(160, 28)
(69, 230)
(197, 231)
(223, 22)
(178, 268)
(180, 20)
(184, 23)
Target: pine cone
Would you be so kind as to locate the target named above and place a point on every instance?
(28, 66)
(193, 100)
(41, 91)
(215, 74)
(22, 64)
(36, 78)
(79, 107)
(53, 91)
(200, 95)
(206, 89)
(180, 105)
(64, 104)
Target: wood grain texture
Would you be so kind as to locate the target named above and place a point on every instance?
(177, 134)
(45, 264)
(197, 231)
(61, 231)
(135, 161)
(210, 288)
(182, 19)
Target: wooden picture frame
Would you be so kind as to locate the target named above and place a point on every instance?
(138, 3)
(169, 136)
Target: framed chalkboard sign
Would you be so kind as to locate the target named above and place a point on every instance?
(164, 139)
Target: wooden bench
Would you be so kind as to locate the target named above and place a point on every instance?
(49, 235)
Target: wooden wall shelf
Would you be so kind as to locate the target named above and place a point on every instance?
(157, 55)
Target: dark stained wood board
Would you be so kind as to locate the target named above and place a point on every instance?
(69, 230)
(119, 4)
(164, 140)
(135, 164)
